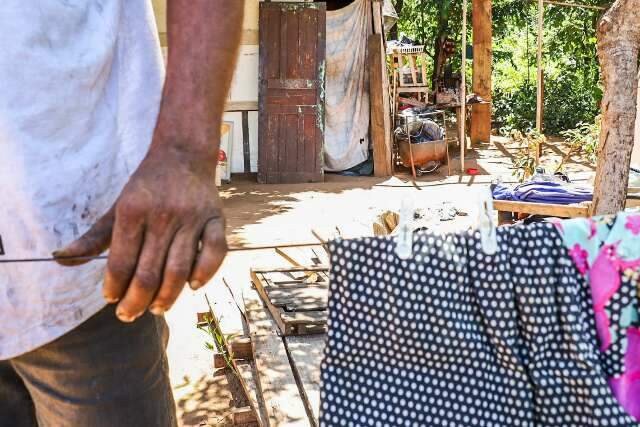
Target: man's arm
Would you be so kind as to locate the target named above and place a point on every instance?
(170, 205)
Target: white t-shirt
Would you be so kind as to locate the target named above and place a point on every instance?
(80, 89)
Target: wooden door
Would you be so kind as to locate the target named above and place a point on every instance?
(292, 68)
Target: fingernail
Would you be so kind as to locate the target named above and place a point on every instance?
(195, 284)
(57, 254)
(157, 310)
(111, 300)
(126, 318)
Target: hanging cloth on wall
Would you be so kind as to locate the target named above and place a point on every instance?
(347, 87)
(453, 336)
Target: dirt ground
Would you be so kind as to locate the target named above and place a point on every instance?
(270, 215)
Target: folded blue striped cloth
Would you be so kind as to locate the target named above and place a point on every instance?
(561, 193)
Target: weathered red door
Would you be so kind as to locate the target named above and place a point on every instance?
(292, 61)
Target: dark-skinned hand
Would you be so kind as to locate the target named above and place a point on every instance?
(165, 229)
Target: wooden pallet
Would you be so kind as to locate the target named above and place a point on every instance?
(295, 296)
(287, 372)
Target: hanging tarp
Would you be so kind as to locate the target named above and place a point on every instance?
(389, 14)
(347, 87)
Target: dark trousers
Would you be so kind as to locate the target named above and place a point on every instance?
(103, 373)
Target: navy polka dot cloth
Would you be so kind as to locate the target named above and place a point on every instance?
(455, 337)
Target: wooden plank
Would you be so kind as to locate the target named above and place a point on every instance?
(299, 257)
(563, 211)
(381, 149)
(291, 269)
(283, 401)
(539, 92)
(482, 68)
(242, 416)
(305, 292)
(318, 318)
(241, 106)
(259, 283)
(412, 102)
(249, 379)
(633, 203)
(306, 353)
(241, 349)
(577, 5)
(228, 319)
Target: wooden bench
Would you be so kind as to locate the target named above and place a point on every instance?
(507, 208)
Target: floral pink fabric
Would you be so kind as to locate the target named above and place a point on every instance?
(606, 251)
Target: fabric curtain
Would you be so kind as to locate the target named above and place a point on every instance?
(347, 86)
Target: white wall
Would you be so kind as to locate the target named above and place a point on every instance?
(244, 87)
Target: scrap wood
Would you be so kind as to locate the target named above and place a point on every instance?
(242, 416)
(413, 102)
(224, 349)
(312, 276)
(239, 349)
(284, 404)
(387, 223)
(297, 307)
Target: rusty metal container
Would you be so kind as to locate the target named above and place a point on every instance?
(423, 152)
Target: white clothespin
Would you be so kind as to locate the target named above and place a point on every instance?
(404, 238)
(486, 224)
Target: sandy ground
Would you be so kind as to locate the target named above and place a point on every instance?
(266, 215)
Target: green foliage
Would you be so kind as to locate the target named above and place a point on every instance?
(572, 74)
(527, 158)
(211, 327)
(583, 140)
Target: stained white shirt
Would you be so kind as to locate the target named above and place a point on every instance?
(80, 88)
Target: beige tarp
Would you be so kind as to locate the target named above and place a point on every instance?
(347, 86)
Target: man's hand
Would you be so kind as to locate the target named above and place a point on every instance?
(167, 228)
(169, 206)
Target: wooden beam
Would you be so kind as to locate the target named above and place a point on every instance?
(463, 90)
(539, 92)
(380, 138)
(241, 106)
(577, 5)
(547, 209)
(482, 67)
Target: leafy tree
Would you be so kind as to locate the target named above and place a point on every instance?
(572, 74)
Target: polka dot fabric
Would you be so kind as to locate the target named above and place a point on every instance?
(455, 337)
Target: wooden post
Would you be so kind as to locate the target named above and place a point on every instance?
(540, 94)
(379, 96)
(482, 67)
(463, 90)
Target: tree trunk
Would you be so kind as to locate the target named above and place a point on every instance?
(618, 49)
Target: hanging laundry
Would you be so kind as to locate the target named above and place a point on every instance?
(606, 252)
(456, 337)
